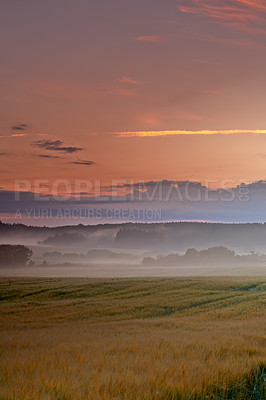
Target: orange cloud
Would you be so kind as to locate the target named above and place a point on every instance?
(19, 134)
(14, 135)
(186, 132)
(151, 38)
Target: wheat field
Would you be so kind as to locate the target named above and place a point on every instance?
(187, 338)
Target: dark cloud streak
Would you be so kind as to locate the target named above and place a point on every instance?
(48, 156)
(56, 145)
(20, 127)
(88, 163)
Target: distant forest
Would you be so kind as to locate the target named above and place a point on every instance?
(165, 237)
(213, 256)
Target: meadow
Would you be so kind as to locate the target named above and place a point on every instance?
(141, 339)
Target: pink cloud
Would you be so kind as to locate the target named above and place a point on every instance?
(128, 79)
(239, 13)
(151, 38)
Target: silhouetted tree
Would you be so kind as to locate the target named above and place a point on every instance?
(14, 254)
(192, 253)
(217, 253)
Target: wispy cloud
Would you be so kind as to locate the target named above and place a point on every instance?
(128, 79)
(187, 132)
(56, 145)
(151, 38)
(82, 162)
(236, 12)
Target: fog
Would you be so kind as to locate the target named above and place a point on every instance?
(139, 250)
(158, 237)
(127, 271)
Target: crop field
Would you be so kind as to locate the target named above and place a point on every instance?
(141, 339)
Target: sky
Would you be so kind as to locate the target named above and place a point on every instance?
(129, 91)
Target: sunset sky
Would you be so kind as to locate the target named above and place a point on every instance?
(132, 90)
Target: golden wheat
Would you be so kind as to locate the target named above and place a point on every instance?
(128, 339)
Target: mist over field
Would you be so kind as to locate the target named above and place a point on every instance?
(132, 250)
(178, 236)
